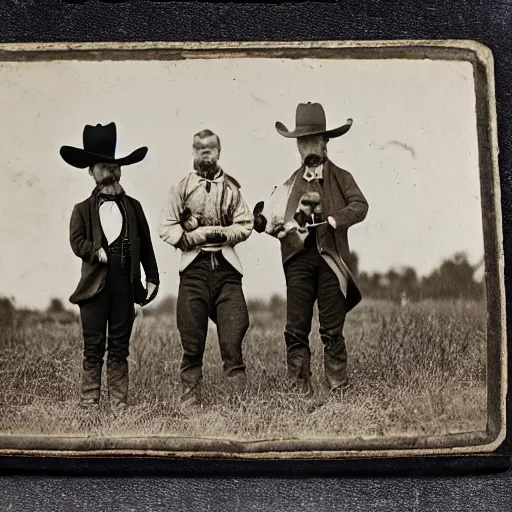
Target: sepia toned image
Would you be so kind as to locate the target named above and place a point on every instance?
(250, 250)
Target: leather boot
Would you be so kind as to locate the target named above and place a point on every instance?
(335, 361)
(117, 379)
(90, 388)
(190, 399)
(237, 383)
(299, 370)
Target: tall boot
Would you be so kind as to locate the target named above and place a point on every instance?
(191, 399)
(335, 361)
(236, 383)
(117, 379)
(90, 387)
(298, 359)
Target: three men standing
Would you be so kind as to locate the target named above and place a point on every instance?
(205, 217)
(110, 234)
(310, 214)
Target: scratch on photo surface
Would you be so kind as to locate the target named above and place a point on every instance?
(403, 145)
(258, 99)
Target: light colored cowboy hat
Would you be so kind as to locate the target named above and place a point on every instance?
(99, 146)
(310, 120)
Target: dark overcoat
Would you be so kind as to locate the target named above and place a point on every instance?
(344, 201)
(86, 238)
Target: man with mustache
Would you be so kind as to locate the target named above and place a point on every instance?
(310, 214)
(205, 217)
(110, 234)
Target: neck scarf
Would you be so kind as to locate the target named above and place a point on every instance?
(210, 177)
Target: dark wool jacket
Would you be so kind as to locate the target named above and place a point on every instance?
(86, 238)
(344, 201)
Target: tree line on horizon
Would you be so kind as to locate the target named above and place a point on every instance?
(454, 278)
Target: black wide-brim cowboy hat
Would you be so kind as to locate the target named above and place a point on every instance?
(310, 120)
(99, 147)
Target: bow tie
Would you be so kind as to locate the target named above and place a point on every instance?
(109, 197)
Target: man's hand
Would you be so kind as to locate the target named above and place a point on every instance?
(188, 221)
(102, 255)
(151, 288)
(216, 238)
(278, 225)
(291, 227)
(216, 235)
(201, 236)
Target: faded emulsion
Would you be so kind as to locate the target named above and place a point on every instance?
(296, 269)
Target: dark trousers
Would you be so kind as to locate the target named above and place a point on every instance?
(211, 288)
(112, 307)
(308, 279)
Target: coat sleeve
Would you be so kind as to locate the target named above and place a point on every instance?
(242, 225)
(147, 253)
(81, 246)
(356, 208)
(171, 230)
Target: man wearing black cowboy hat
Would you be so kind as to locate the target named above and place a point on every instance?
(310, 214)
(109, 232)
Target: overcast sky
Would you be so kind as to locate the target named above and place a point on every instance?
(412, 150)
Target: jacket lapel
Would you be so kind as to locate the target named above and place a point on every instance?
(329, 184)
(97, 233)
(333, 184)
(131, 217)
(327, 196)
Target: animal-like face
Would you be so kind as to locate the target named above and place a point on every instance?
(105, 174)
(312, 149)
(206, 153)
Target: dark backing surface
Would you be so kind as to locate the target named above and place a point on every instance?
(477, 493)
(489, 22)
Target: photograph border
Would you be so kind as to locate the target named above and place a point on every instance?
(178, 447)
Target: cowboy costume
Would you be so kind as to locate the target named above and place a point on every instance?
(310, 214)
(109, 232)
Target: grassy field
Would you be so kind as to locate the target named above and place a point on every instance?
(418, 370)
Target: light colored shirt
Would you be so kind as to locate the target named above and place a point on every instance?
(313, 173)
(111, 220)
(223, 205)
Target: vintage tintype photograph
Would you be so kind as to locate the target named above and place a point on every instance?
(250, 250)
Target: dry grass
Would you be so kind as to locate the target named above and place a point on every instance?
(418, 370)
